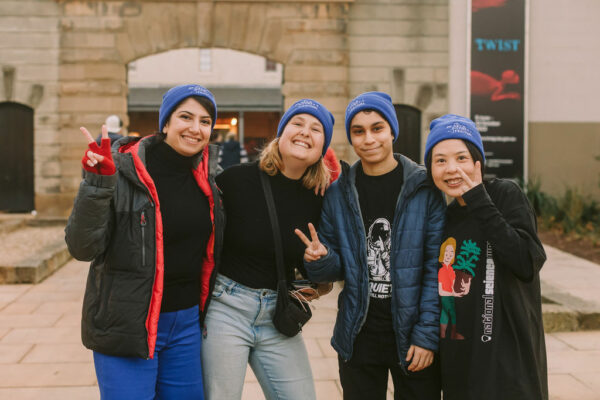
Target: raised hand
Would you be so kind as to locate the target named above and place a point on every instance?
(98, 159)
(314, 248)
(469, 183)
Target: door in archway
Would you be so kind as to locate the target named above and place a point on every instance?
(409, 137)
(16, 157)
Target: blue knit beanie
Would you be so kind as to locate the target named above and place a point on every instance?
(378, 101)
(314, 108)
(176, 95)
(451, 126)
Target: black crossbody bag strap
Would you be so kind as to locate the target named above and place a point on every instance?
(274, 227)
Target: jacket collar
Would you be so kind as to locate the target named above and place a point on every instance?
(414, 175)
(128, 147)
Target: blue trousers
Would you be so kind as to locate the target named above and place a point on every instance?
(175, 372)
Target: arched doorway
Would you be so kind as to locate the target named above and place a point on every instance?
(310, 39)
(250, 99)
(16, 157)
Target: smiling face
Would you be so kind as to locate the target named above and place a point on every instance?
(372, 140)
(446, 158)
(302, 140)
(188, 129)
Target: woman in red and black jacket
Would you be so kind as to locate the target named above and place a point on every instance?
(149, 217)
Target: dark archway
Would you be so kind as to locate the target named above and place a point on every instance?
(16, 157)
(409, 137)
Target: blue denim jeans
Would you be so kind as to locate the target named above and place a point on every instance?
(174, 373)
(239, 329)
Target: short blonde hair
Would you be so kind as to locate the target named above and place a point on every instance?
(317, 175)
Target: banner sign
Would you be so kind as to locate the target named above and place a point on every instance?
(497, 82)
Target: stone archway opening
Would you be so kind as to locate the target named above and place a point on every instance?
(99, 39)
(247, 88)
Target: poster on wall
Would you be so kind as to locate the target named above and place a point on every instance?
(497, 83)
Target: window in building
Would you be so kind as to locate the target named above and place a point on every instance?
(205, 60)
(270, 65)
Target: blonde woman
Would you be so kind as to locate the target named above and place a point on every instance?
(239, 327)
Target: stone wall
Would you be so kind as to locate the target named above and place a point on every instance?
(29, 53)
(401, 47)
(563, 155)
(69, 60)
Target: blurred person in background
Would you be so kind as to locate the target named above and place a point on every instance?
(231, 152)
(114, 125)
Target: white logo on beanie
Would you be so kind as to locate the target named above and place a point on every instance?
(199, 90)
(307, 103)
(459, 128)
(356, 103)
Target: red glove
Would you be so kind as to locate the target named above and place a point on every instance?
(98, 159)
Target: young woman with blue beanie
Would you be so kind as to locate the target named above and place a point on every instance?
(379, 232)
(149, 217)
(491, 331)
(239, 326)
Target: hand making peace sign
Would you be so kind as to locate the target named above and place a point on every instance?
(314, 248)
(469, 183)
(98, 159)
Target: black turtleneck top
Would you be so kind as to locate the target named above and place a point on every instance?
(248, 255)
(186, 225)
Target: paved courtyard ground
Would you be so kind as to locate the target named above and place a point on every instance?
(41, 355)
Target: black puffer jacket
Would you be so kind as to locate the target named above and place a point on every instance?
(116, 223)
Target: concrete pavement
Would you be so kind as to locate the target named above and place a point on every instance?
(41, 355)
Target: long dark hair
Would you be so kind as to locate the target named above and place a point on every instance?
(473, 151)
(204, 102)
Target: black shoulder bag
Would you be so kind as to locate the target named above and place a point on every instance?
(291, 313)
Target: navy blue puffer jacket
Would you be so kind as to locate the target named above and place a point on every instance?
(416, 237)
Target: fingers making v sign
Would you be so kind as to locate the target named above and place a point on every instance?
(314, 248)
(98, 159)
(469, 183)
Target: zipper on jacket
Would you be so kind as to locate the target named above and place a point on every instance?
(143, 223)
(361, 228)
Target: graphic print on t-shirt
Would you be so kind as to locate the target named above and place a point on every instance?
(454, 280)
(379, 242)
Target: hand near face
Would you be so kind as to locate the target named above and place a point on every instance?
(98, 159)
(469, 183)
(314, 248)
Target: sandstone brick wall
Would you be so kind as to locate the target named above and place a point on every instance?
(401, 47)
(70, 60)
(29, 50)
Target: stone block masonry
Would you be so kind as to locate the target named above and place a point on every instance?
(69, 60)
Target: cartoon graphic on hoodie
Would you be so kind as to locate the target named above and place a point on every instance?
(454, 280)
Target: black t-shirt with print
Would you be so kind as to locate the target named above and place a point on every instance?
(378, 196)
